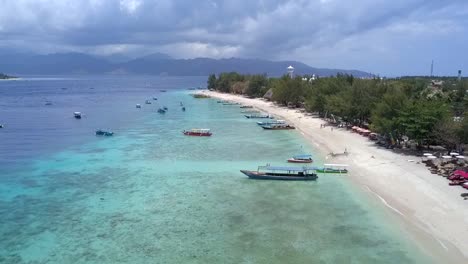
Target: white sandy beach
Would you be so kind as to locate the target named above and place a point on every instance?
(432, 213)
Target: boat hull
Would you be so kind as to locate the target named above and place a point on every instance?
(300, 161)
(196, 134)
(278, 176)
(277, 127)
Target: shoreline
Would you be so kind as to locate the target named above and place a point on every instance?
(432, 213)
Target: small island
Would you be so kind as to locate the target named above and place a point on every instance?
(5, 77)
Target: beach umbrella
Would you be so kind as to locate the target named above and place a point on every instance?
(446, 157)
(431, 157)
(427, 154)
(454, 154)
(460, 157)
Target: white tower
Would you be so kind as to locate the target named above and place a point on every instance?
(291, 71)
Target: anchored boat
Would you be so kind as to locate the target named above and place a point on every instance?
(277, 126)
(258, 116)
(333, 168)
(161, 111)
(147, 102)
(271, 122)
(101, 132)
(246, 106)
(198, 132)
(138, 106)
(77, 115)
(282, 173)
(303, 158)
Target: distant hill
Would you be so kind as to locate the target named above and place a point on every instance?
(156, 64)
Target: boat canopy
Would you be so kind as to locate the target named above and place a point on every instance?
(336, 165)
(303, 156)
(279, 168)
(201, 130)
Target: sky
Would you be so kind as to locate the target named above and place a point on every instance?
(385, 37)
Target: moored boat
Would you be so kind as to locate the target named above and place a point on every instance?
(303, 158)
(282, 173)
(271, 122)
(230, 103)
(48, 103)
(163, 91)
(258, 116)
(101, 132)
(277, 126)
(199, 132)
(77, 115)
(1, 125)
(161, 111)
(155, 98)
(246, 106)
(165, 108)
(138, 106)
(183, 108)
(333, 168)
(147, 102)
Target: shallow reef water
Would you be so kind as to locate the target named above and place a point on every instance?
(149, 194)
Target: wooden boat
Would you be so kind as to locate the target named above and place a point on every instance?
(278, 127)
(333, 168)
(270, 122)
(246, 106)
(258, 116)
(198, 132)
(304, 158)
(138, 106)
(282, 173)
(77, 115)
(101, 132)
(161, 111)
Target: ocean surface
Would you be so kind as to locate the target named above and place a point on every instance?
(149, 194)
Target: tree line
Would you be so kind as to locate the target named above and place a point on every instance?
(396, 109)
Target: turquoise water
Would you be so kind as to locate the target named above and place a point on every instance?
(152, 195)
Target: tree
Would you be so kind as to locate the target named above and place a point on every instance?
(419, 118)
(385, 115)
(212, 81)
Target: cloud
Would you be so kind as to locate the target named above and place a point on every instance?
(364, 34)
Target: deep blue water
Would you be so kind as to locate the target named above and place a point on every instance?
(149, 194)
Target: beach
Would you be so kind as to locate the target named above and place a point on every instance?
(431, 212)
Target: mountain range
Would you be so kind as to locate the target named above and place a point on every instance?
(154, 64)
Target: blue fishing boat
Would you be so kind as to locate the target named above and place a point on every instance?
(303, 158)
(270, 122)
(101, 132)
(282, 173)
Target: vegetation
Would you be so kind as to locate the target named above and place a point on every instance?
(4, 76)
(399, 109)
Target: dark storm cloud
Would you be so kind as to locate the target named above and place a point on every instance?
(269, 29)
